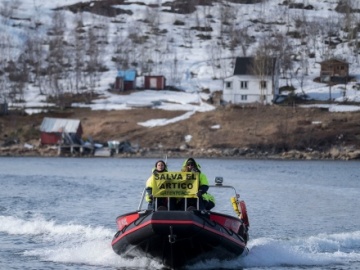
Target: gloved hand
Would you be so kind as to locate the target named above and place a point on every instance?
(155, 172)
(151, 197)
(199, 193)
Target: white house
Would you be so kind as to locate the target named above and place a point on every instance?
(254, 81)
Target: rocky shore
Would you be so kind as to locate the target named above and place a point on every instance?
(335, 153)
(240, 133)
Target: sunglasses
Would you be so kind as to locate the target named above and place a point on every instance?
(190, 164)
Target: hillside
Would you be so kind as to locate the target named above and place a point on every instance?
(252, 132)
(72, 48)
(52, 49)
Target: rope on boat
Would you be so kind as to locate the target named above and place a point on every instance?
(214, 223)
(209, 221)
(138, 221)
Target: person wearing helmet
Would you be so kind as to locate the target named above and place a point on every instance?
(206, 201)
(160, 166)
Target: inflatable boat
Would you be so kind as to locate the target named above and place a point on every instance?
(182, 237)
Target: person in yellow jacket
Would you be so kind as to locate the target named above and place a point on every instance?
(160, 166)
(206, 200)
(209, 201)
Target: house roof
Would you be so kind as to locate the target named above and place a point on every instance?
(248, 66)
(59, 125)
(128, 75)
(333, 60)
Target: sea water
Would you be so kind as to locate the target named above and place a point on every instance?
(59, 213)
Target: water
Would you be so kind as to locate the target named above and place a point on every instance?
(59, 213)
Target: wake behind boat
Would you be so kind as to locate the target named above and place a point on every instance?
(179, 237)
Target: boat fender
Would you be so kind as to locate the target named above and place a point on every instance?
(235, 205)
(243, 212)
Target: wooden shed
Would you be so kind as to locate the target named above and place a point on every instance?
(119, 84)
(125, 80)
(334, 70)
(53, 129)
(154, 82)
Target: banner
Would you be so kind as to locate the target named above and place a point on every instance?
(175, 184)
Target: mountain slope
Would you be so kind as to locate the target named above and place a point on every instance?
(51, 51)
(77, 47)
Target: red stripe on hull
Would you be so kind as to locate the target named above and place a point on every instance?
(176, 222)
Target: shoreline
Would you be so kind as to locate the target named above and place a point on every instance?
(335, 153)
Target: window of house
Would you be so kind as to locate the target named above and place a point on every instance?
(263, 84)
(244, 85)
(228, 84)
(243, 97)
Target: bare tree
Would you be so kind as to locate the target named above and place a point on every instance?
(277, 46)
(187, 37)
(152, 55)
(241, 37)
(330, 27)
(34, 52)
(93, 53)
(313, 31)
(78, 34)
(174, 76)
(7, 66)
(97, 40)
(262, 67)
(121, 45)
(56, 54)
(19, 77)
(227, 19)
(356, 31)
(8, 9)
(4, 43)
(348, 9)
(215, 55)
(152, 17)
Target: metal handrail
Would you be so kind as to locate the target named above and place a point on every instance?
(217, 185)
